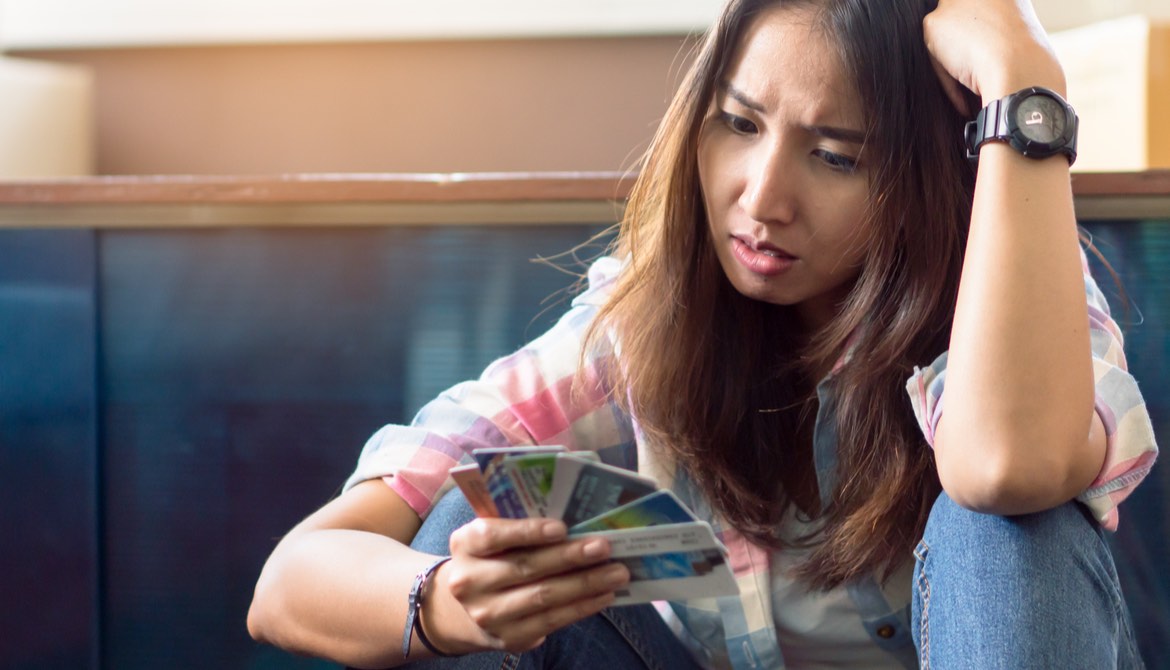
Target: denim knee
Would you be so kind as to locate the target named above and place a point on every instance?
(1030, 591)
(447, 516)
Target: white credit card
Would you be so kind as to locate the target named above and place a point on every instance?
(672, 562)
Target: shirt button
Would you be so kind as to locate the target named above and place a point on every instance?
(885, 632)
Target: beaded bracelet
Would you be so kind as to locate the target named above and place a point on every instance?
(413, 608)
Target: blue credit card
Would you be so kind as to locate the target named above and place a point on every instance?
(655, 509)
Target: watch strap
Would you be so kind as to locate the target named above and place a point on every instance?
(989, 125)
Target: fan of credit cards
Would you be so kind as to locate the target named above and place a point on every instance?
(670, 553)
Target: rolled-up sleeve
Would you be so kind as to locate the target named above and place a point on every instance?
(1130, 444)
(534, 396)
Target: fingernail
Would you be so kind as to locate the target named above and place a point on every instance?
(553, 530)
(615, 574)
(595, 548)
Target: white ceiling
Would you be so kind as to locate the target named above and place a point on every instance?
(48, 24)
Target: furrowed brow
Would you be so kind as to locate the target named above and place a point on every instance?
(838, 134)
(741, 97)
(828, 132)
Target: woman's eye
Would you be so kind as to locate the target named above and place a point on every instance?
(739, 124)
(836, 161)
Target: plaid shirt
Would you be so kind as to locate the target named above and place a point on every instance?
(530, 398)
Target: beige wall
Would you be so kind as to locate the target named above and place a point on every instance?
(555, 104)
(1065, 14)
(46, 127)
(403, 106)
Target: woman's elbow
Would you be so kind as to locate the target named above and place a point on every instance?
(258, 615)
(1010, 480)
(264, 613)
(988, 490)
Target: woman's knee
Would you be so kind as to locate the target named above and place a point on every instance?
(1043, 585)
(449, 514)
(1026, 554)
(1067, 527)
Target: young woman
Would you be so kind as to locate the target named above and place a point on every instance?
(807, 260)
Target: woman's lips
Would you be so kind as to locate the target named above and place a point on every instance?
(760, 257)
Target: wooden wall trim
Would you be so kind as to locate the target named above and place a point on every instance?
(320, 188)
(379, 199)
(1150, 182)
(469, 187)
(1122, 195)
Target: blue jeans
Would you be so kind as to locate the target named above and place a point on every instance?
(1031, 592)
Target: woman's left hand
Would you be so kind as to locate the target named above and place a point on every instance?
(992, 47)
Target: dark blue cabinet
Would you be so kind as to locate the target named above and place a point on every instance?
(1139, 251)
(175, 400)
(50, 514)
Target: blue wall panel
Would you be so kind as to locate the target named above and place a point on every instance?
(238, 374)
(48, 451)
(1140, 253)
(242, 372)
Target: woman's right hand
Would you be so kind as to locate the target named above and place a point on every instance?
(516, 581)
(992, 47)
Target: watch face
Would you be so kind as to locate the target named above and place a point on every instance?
(1040, 119)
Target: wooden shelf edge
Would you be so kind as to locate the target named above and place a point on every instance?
(421, 187)
(1146, 183)
(319, 188)
(376, 199)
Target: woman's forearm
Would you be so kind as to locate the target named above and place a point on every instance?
(336, 586)
(1015, 432)
(338, 594)
(1018, 432)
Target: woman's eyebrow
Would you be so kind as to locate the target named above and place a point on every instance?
(828, 132)
(838, 134)
(741, 97)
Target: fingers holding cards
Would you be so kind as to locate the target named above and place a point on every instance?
(519, 594)
(612, 514)
(486, 537)
(517, 551)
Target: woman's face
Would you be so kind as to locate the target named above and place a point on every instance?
(780, 162)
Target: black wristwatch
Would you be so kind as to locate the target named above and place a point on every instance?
(1035, 121)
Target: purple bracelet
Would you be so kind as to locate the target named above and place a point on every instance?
(413, 607)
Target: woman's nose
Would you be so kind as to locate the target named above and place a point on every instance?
(770, 186)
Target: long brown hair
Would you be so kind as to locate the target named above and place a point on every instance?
(724, 386)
